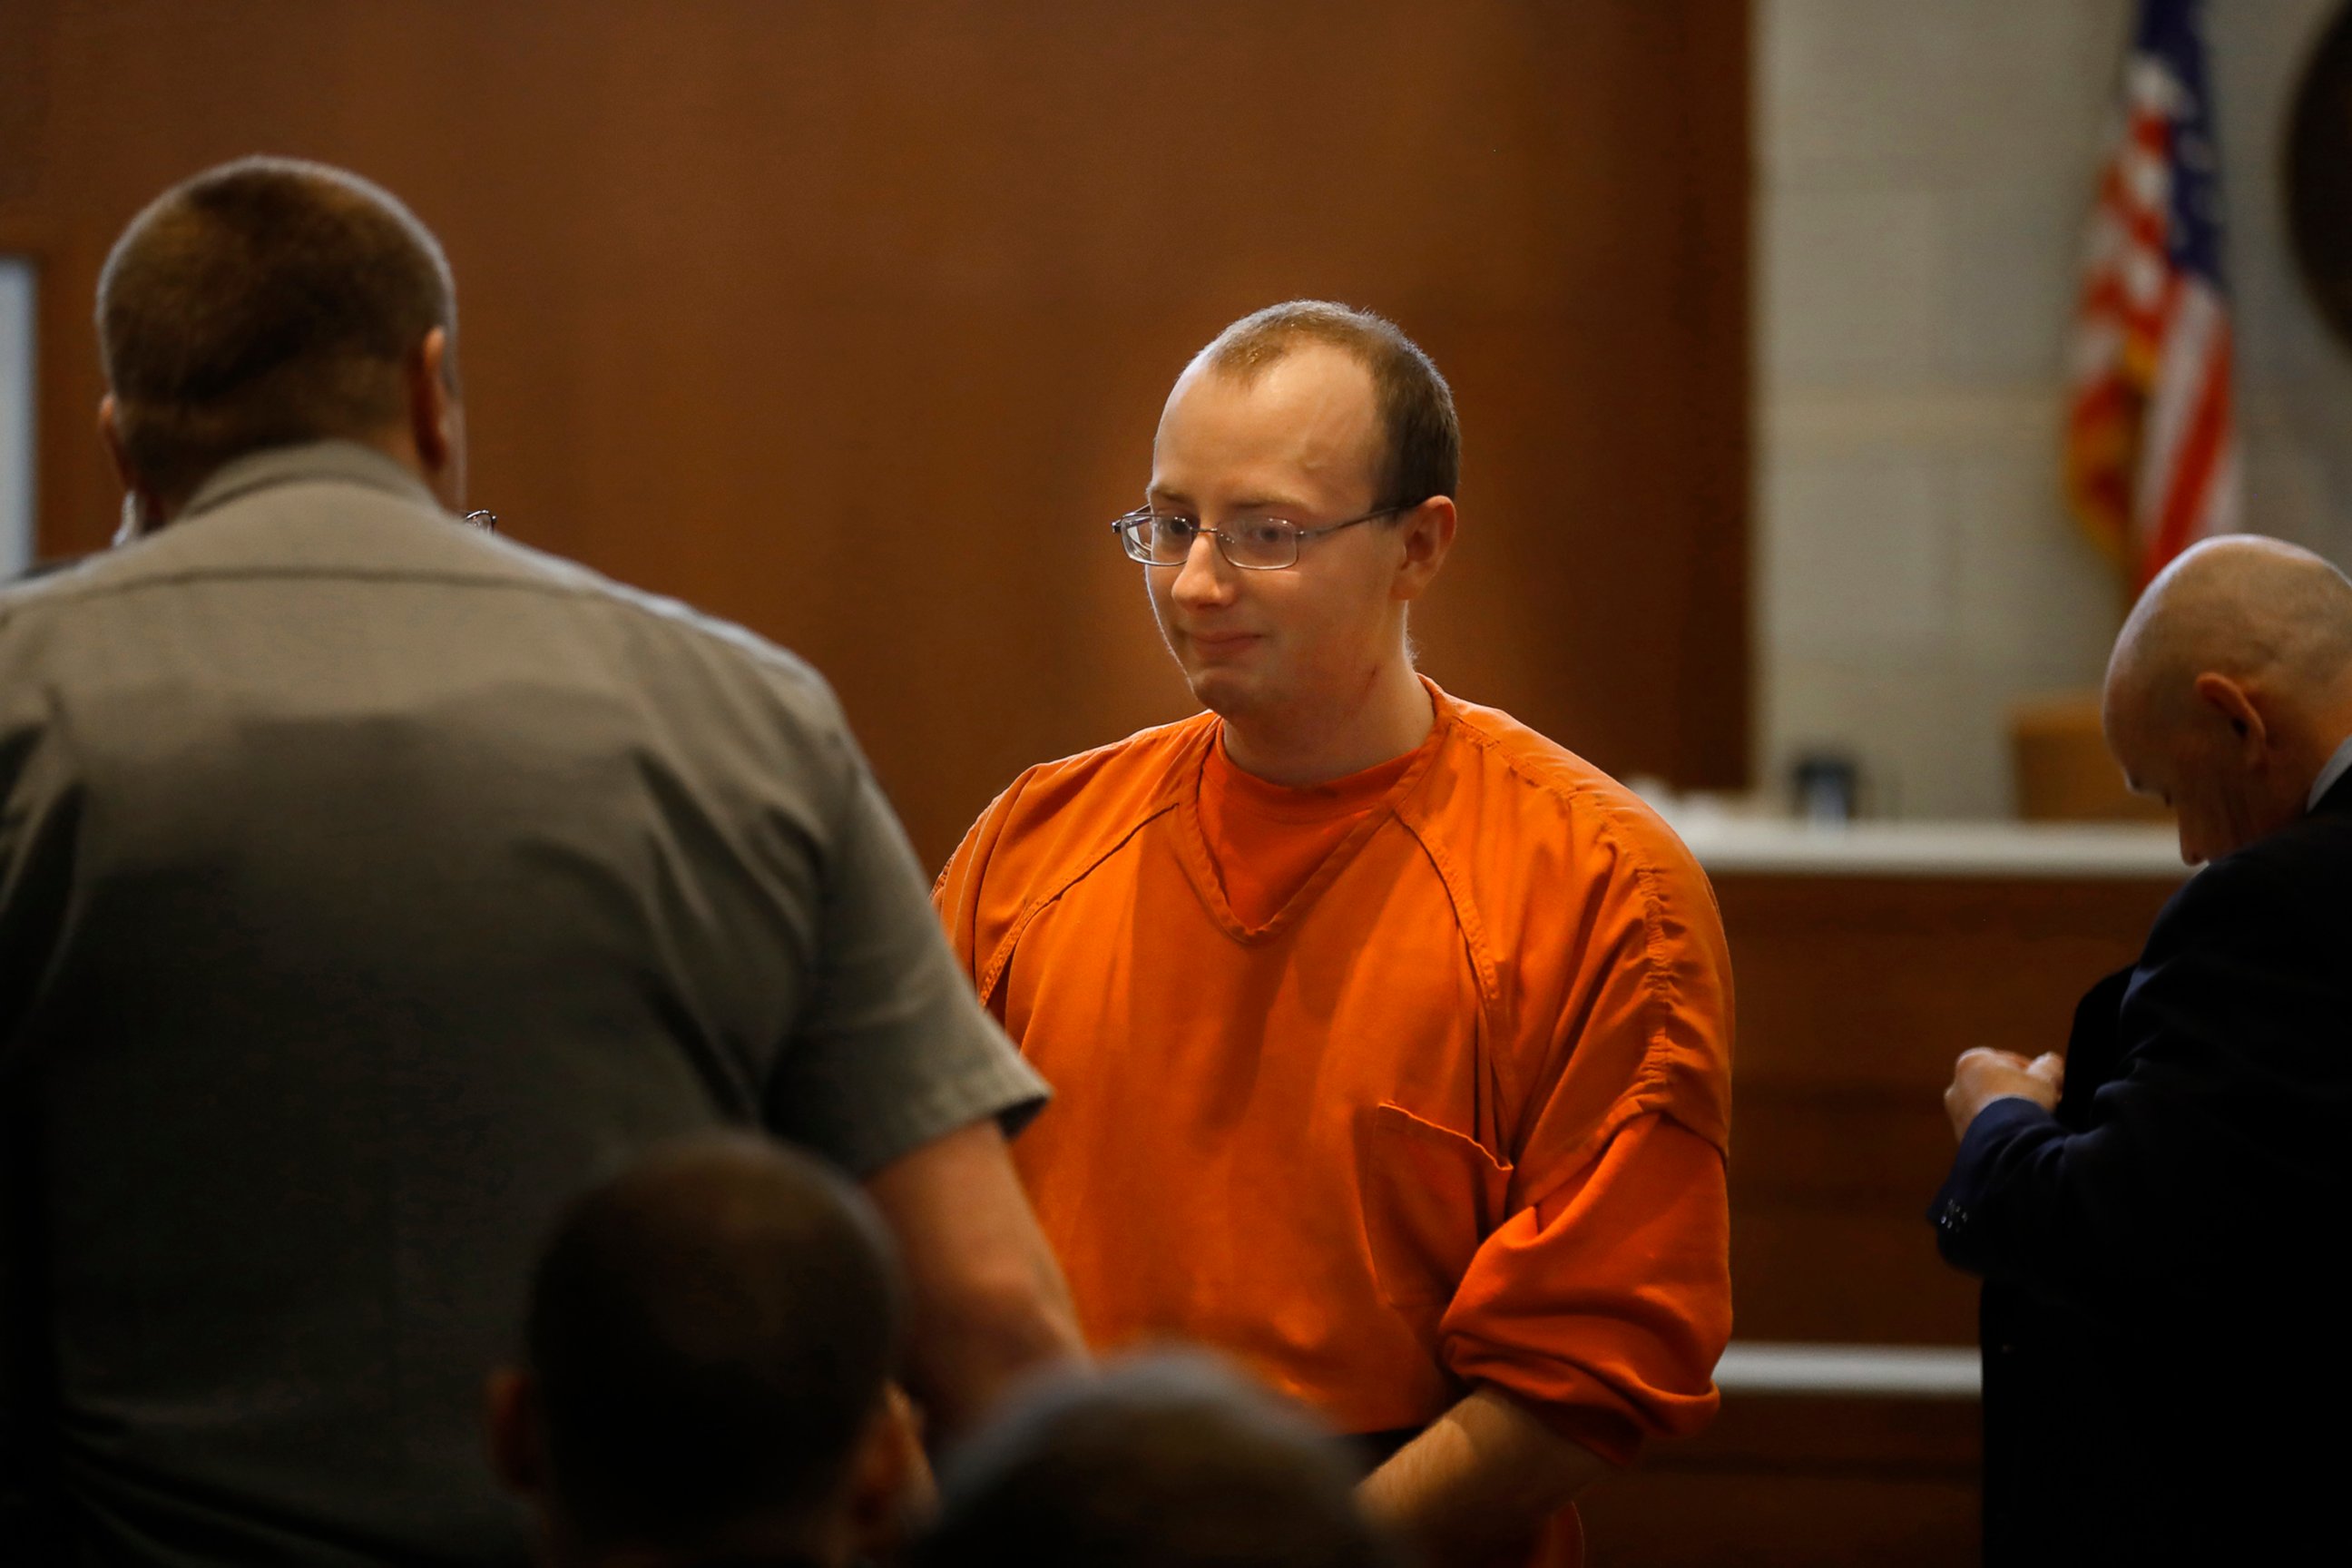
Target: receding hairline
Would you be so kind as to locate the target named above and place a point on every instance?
(1247, 348)
(1248, 365)
(1419, 431)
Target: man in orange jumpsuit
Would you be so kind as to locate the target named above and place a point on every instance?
(1393, 1040)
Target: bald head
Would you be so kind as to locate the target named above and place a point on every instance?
(2243, 606)
(2231, 685)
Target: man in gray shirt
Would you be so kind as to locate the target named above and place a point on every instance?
(368, 885)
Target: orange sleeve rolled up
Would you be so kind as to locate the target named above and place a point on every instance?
(1603, 1305)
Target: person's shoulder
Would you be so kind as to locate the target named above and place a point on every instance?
(31, 588)
(2292, 876)
(1059, 819)
(45, 595)
(674, 623)
(1585, 889)
(268, 537)
(1115, 783)
(2314, 849)
(671, 647)
(1523, 783)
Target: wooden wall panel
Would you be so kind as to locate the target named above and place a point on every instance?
(1856, 995)
(853, 322)
(1796, 1482)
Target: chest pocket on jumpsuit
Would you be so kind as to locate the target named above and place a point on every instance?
(1430, 1197)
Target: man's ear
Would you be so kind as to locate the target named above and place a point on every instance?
(109, 432)
(141, 510)
(1427, 534)
(2236, 708)
(892, 1495)
(433, 412)
(510, 1428)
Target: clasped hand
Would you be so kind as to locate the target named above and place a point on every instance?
(1984, 1075)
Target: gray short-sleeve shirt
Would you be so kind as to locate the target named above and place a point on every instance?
(368, 884)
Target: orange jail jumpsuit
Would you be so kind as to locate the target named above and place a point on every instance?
(1389, 1087)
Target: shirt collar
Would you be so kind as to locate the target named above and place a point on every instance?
(2337, 765)
(346, 462)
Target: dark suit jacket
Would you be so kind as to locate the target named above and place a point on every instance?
(2165, 1356)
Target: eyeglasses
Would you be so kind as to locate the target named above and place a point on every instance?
(487, 521)
(1252, 543)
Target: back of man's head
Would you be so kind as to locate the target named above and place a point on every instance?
(1420, 431)
(262, 303)
(710, 1342)
(1167, 1462)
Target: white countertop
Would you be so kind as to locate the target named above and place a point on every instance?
(1900, 1371)
(1725, 843)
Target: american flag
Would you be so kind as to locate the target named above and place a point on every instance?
(2151, 455)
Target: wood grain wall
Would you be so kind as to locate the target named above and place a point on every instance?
(1856, 995)
(852, 322)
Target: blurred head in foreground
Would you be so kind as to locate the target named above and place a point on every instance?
(2231, 688)
(1165, 1462)
(711, 1344)
(269, 302)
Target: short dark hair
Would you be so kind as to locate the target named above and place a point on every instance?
(261, 304)
(1168, 1461)
(1416, 406)
(710, 1333)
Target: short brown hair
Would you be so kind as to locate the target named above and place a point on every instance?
(711, 1331)
(263, 302)
(1416, 406)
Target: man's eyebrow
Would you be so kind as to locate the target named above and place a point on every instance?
(1257, 505)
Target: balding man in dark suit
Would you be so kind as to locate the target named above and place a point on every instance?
(2157, 1214)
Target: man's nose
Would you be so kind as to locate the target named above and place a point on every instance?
(1206, 577)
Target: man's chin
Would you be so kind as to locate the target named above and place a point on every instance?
(1224, 692)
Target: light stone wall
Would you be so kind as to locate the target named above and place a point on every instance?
(15, 417)
(1925, 170)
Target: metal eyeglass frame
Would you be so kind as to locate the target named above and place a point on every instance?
(1125, 526)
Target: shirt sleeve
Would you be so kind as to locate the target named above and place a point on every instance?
(1603, 1305)
(894, 1051)
(1601, 1298)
